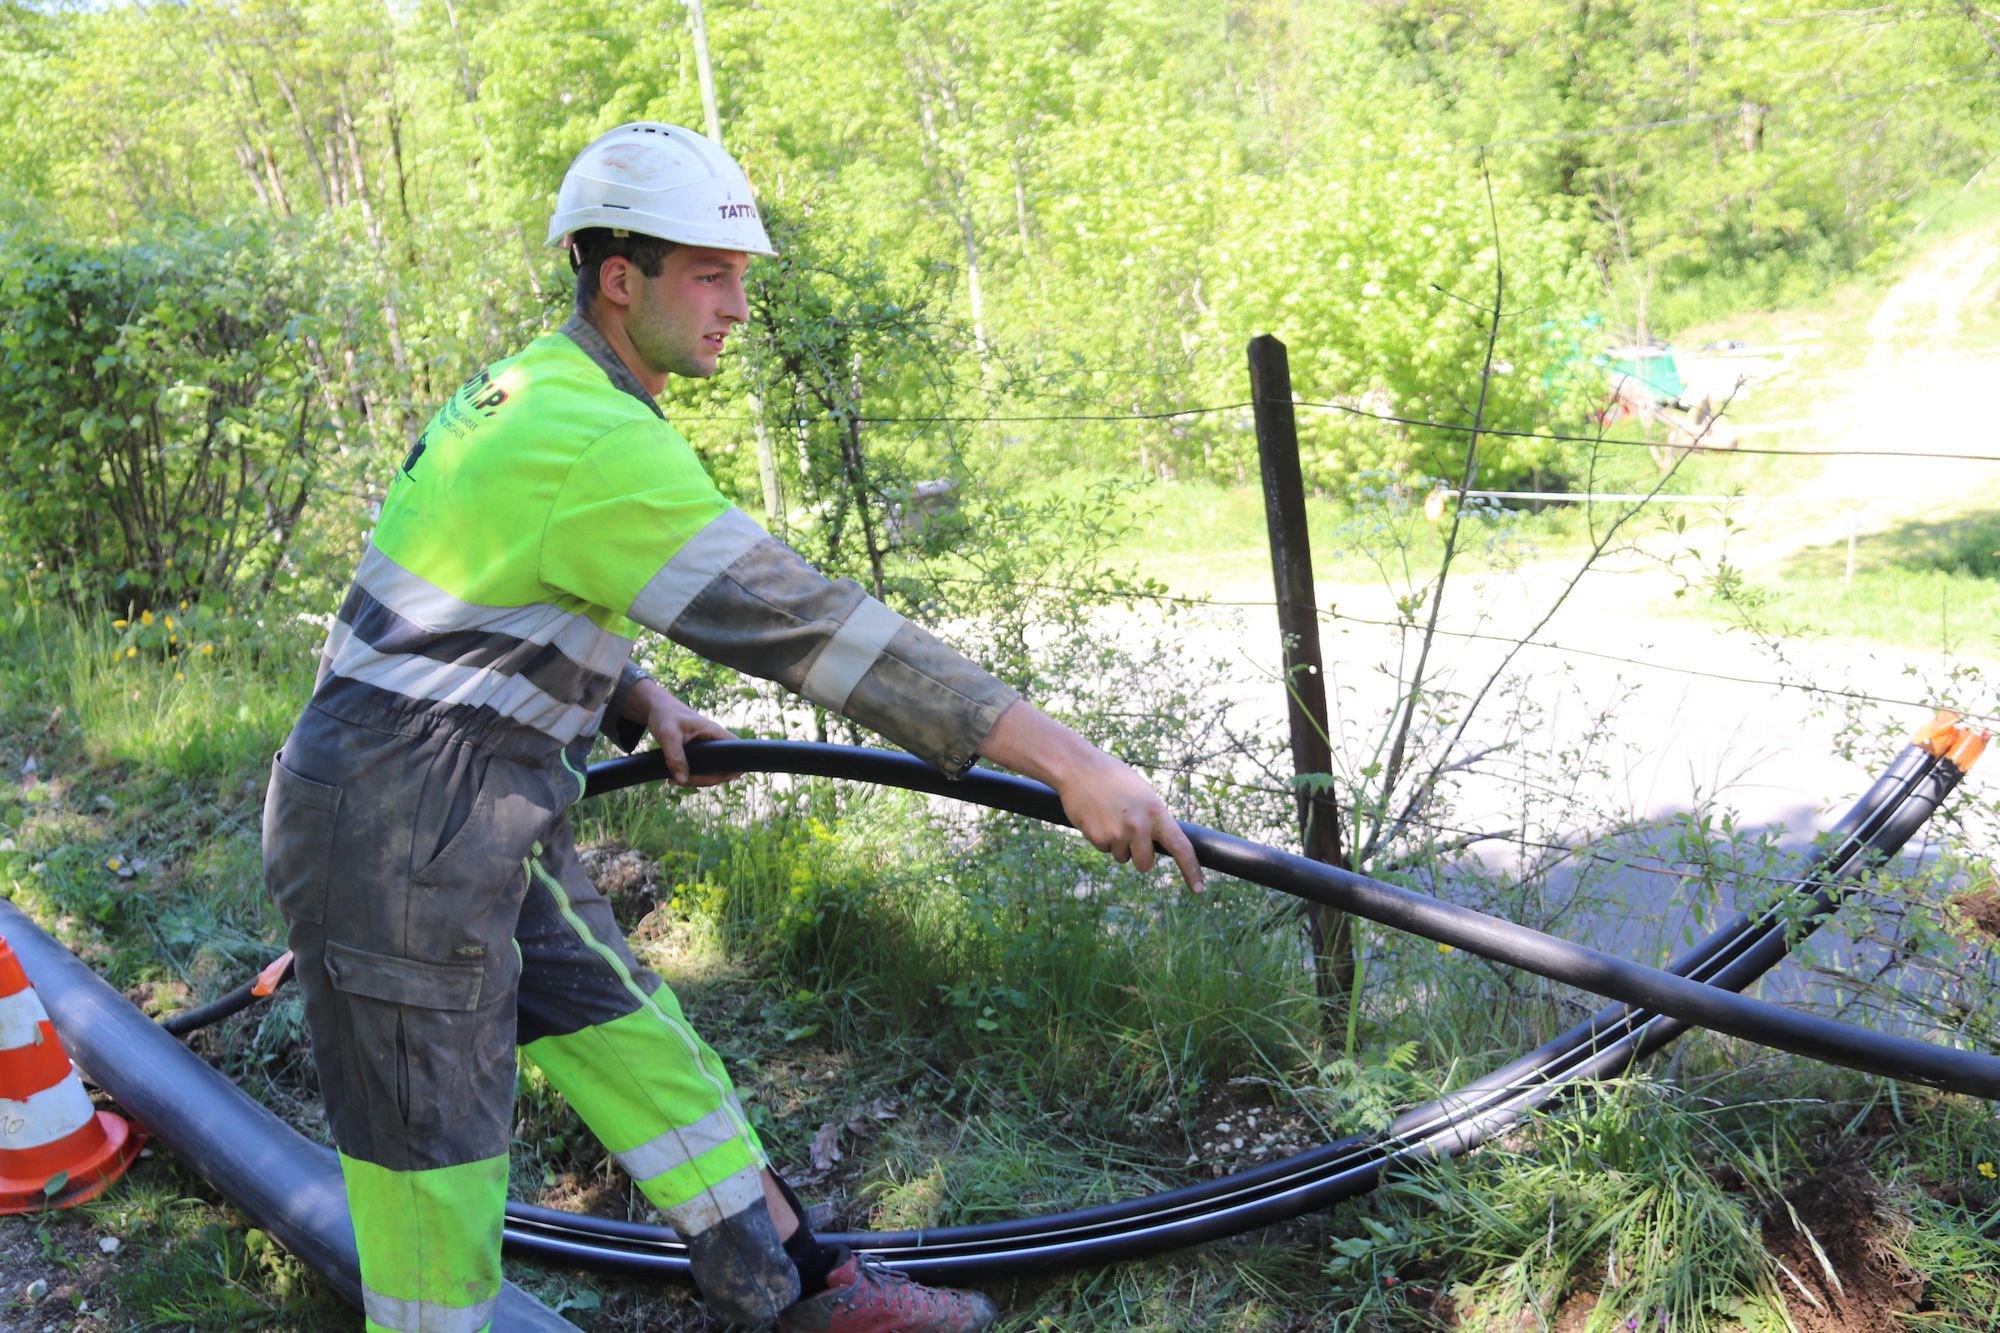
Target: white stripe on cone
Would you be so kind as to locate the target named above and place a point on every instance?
(45, 1116)
(21, 1015)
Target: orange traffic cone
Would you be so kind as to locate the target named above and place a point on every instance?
(56, 1149)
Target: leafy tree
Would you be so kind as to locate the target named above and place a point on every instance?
(1121, 192)
(834, 341)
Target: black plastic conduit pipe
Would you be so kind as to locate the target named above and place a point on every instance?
(291, 1186)
(1741, 949)
(1734, 955)
(1767, 1024)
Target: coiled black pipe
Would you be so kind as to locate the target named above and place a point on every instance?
(1734, 955)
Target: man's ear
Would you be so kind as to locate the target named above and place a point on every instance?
(618, 279)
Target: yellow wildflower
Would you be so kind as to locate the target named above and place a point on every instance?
(173, 638)
(1986, 1169)
(207, 648)
(180, 675)
(170, 622)
(113, 863)
(184, 605)
(145, 617)
(120, 624)
(131, 652)
(1444, 948)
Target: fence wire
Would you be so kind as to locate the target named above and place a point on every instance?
(1332, 615)
(1362, 414)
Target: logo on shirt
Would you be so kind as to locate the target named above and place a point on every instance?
(482, 394)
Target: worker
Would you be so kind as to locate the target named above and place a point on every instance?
(416, 837)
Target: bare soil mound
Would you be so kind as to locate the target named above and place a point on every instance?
(1841, 1271)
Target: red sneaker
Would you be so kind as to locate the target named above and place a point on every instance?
(862, 1296)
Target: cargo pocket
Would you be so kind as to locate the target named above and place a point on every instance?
(299, 816)
(410, 1032)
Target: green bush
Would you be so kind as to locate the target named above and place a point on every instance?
(161, 408)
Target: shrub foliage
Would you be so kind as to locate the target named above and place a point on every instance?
(163, 407)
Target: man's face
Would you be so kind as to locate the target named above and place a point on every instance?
(678, 321)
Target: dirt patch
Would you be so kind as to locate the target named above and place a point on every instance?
(1980, 912)
(57, 1274)
(629, 879)
(1240, 1127)
(1573, 1315)
(1842, 1273)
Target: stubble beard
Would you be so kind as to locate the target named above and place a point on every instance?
(662, 356)
(655, 342)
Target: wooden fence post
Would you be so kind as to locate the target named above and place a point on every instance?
(1331, 931)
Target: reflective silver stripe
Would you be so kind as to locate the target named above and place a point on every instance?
(718, 1203)
(594, 649)
(21, 1019)
(513, 697)
(696, 565)
(849, 653)
(423, 603)
(678, 1147)
(427, 1316)
(336, 643)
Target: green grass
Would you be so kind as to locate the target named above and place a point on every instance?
(1924, 586)
(1626, 1188)
(1017, 946)
(138, 837)
(202, 710)
(1952, 211)
(192, 1264)
(1205, 539)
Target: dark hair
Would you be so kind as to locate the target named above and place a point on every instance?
(589, 248)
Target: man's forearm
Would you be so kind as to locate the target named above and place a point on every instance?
(1112, 806)
(1030, 742)
(638, 701)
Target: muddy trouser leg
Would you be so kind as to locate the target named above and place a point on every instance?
(409, 984)
(613, 1041)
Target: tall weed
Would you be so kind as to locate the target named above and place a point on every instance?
(1623, 1196)
(210, 706)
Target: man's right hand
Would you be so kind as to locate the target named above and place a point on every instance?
(1114, 808)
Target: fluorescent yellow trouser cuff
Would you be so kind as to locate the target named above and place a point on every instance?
(430, 1244)
(655, 1094)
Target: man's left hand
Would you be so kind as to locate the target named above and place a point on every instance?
(674, 725)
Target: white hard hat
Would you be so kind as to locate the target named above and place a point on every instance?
(664, 181)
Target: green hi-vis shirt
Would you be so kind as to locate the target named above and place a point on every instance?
(546, 513)
(540, 481)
